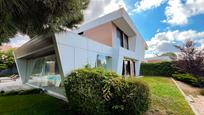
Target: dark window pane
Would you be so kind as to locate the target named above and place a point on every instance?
(126, 45)
(134, 67)
(123, 73)
(128, 68)
(119, 37)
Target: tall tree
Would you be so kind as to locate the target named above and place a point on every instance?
(191, 59)
(35, 17)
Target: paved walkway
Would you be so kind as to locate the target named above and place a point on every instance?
(193, 96)
(199, 104)
(10, 85)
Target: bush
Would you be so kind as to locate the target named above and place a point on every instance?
(187, 78)
(96, 91)
(201, 81)
(128, 95)
(202, 92)
(157, 69)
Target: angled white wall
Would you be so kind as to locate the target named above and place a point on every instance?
(76, 51)
(21, 65)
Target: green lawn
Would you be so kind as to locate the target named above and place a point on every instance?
(166, 98)
(38, 104)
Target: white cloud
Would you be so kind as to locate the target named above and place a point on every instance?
(149, 54)
(99, 8)
(18, 40)
(178, 12)
(144, 5)
(164, 41)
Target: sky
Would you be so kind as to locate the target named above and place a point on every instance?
(162, 23)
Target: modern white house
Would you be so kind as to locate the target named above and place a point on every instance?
(111, 41)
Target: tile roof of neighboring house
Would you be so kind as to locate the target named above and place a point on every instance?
(5, 47)
(157, 59)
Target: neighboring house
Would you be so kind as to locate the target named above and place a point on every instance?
(5, 47)
(110, 41)
(157, 59)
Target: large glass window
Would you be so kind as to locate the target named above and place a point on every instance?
(104, 62)
(44, 72)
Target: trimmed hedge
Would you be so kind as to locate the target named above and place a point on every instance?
(202, 92)
(157, 69)
(98, 92)
(189, 79)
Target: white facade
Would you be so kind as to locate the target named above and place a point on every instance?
(44, 61)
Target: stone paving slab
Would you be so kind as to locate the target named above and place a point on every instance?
(199, 104)
(195, 99)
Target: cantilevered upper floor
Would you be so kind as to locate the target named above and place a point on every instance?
(115, 30)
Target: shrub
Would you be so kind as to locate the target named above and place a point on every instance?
(200, 81)
(128, 95)
(96, 91)
(202, 92)
(187, 78)
(157, 69)
(83, 90)
(1, 92)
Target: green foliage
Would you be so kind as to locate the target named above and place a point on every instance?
(6, 59)
(202, 92)
(187, 78)
(201, 81)
(96, 91)
(3, 66)
(157, 69)
(36, 17)
(128, 95)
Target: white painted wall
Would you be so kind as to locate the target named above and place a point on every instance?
(140, 48)
(76, 51)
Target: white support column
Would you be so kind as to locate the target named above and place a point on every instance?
(117, 61)
(120, 64)
(22, 69)
(137, 67)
